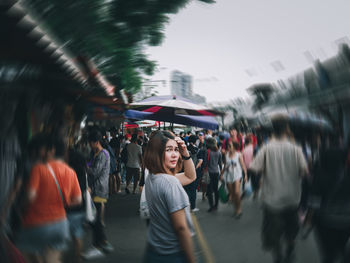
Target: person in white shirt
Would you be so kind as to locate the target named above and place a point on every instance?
(282, 163)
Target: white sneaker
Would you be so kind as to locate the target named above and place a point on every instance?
(92, 253)
(107, 247)
(195, 210)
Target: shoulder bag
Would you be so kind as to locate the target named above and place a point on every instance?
(90, 209)
(206, 178)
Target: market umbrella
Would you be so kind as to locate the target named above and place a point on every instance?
(164, 106)
(206, 122)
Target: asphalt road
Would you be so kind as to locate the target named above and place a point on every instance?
(222, 238)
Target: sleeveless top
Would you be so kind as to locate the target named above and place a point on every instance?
(233, 166)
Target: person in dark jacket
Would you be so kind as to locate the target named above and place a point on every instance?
(330, 203)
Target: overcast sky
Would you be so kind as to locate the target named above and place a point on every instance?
(233, 44)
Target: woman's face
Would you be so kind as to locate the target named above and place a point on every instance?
(233, 133)
(171, 154)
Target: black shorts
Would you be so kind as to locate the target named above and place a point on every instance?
(132, 173)
(278, 224)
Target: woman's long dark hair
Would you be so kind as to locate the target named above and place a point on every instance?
(154, 155)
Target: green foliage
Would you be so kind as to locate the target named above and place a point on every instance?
(113, 33)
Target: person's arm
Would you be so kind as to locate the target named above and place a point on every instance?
(76, 201)
(74, 194)
(140, 157)
(200, 157)
(243, 167)
(31, 195)
(183, 233)
(33, 185)
(258, 163)
(223, 168)
(189, 174)
(220, 161)
(200, 161)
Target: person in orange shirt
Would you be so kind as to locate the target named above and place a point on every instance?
(52, 186)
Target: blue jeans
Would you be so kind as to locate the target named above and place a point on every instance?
(152, 256)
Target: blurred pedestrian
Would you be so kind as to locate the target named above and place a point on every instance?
(124, 157)
(232, 174)
(133, 164)
(76, 214)
(170, 230)
(248, 154)
(330, 203)
(98, 180)
(191, 189)
(202, 164)
(214, 169)
(283, 165)
(10, 184)
(115, 144)
(235, 137)
(52, 186)
(143, 169)
(112, 168)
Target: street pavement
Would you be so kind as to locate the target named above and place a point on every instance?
(221, 237)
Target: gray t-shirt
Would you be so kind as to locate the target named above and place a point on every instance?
(215, 161)
(134, 153)
(165, 195)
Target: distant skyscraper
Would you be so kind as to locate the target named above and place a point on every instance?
(181, 84)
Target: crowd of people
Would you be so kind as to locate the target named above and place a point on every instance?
(301, 179)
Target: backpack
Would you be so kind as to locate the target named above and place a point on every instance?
(124, 155)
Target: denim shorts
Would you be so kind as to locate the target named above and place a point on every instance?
(76, 221)
(39, 238)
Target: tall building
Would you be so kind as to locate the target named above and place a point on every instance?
(181, 85)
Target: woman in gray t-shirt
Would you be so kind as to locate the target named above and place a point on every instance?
(170, 231)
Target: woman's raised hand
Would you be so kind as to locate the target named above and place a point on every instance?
(182, 147)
